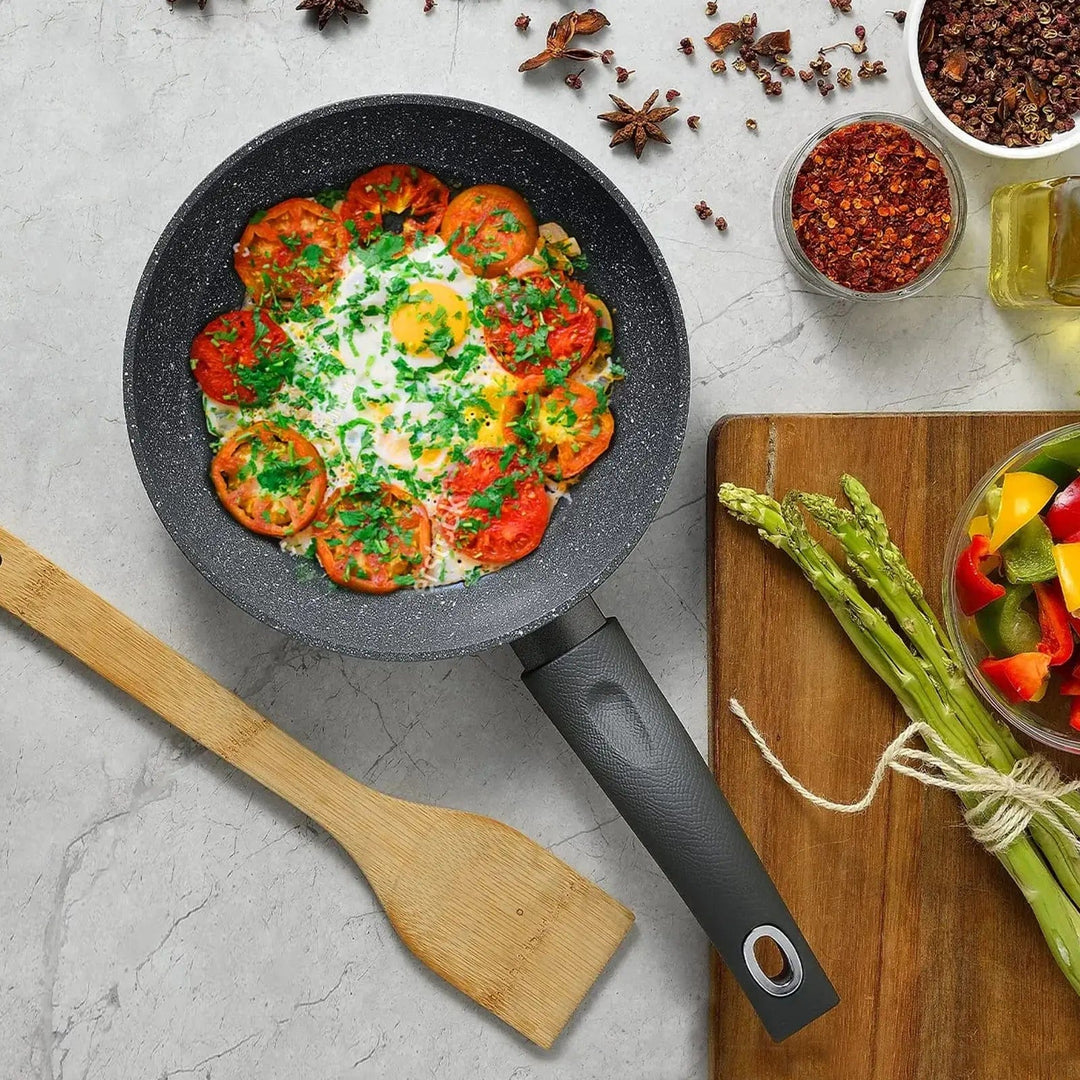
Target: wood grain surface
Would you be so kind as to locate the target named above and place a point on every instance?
(941, 969)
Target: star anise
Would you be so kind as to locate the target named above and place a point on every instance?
(561, 33)
(328, 8)
(638, 125)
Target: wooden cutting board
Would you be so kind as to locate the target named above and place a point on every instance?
(940, 966)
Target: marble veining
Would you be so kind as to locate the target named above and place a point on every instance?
(161, 916)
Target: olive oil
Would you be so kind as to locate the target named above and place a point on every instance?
(1035, 244)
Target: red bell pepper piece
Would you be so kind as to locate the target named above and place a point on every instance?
(1063, 517)
(974, 589)
(1019, 678)
(1057, 638)
(1074, 713)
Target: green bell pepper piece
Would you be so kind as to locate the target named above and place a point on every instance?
(1059, 461)
(1028, 555)
(1006, 626)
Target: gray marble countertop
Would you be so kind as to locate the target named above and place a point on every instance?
(160, 916)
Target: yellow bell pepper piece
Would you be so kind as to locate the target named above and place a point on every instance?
(1023, 495)
(979, 526)
(1067, 561)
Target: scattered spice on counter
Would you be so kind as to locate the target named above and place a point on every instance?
(739, 64)
(871, 207)
(860, 32)
(522, 22)
(806, 76)
(686, 46)
(621, 74)
(725, 35)
(751, 124)
(574, 80)
(857, 47)
(899, 16)
(773, 45)
(429, 5)
(638, 125)
(328, 8)
(607, 56)
(1005, 73)
(721, 224)
(561, 33)
(693, 122)
(843, 77)
(718, 66)
(825, 88)
(843, 6)
(868, 70)
(202, 4)
(702, 210)
(671, 95)
(710, 8)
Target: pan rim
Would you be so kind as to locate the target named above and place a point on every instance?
(681, 389)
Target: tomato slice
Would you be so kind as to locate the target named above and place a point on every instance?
(271, 479)
(575, 425)
(241, 357)
(397, 189)
(537, 323)
(494, 507)
(291, 251)
(488, 229)
(372, 537)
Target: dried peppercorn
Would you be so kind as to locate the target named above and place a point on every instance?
(693, 122)
(671, 95)
(621, 74)
(710, 7)
(686, 46)
(702, 210)
(871, 207)
(721, 224)
(718, 66)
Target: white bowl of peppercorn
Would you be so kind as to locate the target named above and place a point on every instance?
(1001, 78)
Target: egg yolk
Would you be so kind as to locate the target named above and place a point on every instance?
(431, 320)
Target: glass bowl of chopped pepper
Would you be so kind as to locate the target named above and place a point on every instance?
(1011, 588)
(871, 207)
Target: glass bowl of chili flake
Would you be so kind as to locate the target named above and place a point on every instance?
(871, 207)
(1011, 588)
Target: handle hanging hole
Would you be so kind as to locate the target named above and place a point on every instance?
(773, 961)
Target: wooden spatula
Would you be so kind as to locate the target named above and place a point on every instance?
(482, 905)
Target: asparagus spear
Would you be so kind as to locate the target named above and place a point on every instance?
(904, 673)
(878, 562)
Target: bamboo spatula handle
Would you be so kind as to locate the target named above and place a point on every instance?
(83, 624)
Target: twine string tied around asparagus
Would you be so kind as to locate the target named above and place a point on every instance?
(1008, 802)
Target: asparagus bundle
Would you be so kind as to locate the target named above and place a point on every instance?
(917, 662)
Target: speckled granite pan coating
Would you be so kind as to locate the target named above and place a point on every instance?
(189, 279)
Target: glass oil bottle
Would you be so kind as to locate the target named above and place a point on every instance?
(1035, 244)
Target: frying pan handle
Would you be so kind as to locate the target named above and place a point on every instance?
(587, 677)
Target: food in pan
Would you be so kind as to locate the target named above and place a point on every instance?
(412, 383)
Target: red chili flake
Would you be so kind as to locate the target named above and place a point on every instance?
(693, 122)
(574, 80)
(721, 224)
(621, 74)
(522, 22)
(686, 46)
(702, 210)
(606, 56)
(871, 207)
(671, 95)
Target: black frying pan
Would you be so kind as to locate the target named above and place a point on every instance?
(579, 666)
